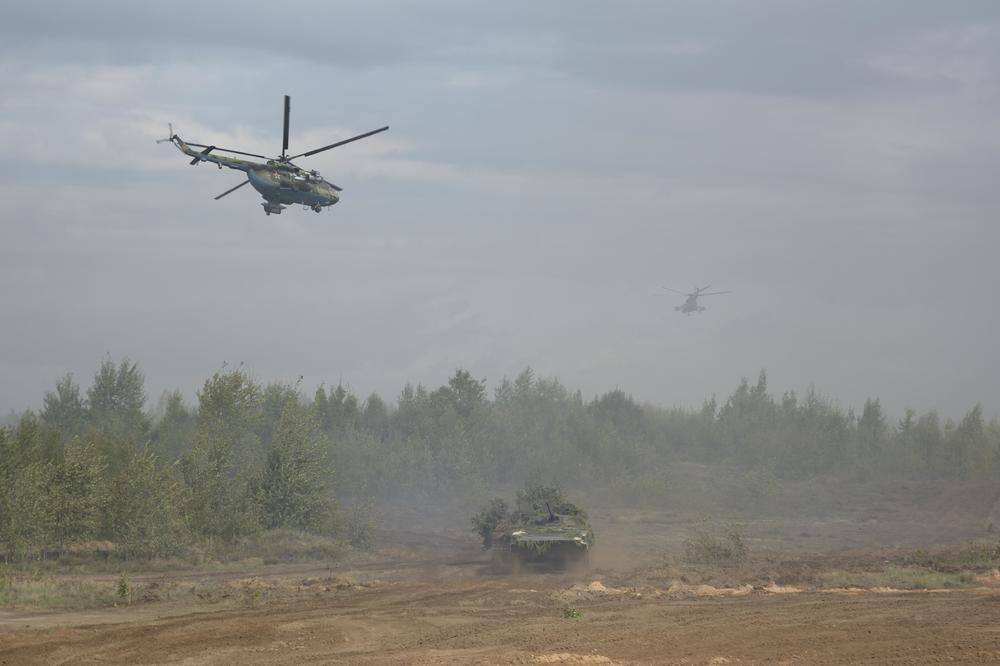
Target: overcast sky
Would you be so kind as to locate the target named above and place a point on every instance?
(550, 166)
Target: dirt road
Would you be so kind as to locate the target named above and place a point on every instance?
(524, 621)
(428, 597)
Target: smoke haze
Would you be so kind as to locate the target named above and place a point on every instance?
(548, 169)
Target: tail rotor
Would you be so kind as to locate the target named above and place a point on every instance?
(170, 137)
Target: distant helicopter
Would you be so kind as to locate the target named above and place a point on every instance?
(691, 304)
(280, 182)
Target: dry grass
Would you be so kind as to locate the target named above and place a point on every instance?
(904, 578)
(38, 590)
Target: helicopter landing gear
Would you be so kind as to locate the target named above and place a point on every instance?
(316, 208)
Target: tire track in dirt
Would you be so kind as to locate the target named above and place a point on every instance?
(507, 622)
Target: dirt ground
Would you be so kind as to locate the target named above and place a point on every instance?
(429, 596)
(524, 621)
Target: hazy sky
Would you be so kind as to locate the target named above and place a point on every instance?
(550, 166)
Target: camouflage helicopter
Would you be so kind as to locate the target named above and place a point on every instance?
(691, 304)
(279, 181)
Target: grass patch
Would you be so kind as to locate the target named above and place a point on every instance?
(904, 578)
(41, 591)
(76, 581)
(280, 546)
(267, 547)
(980, 555)
(361, 525)
(924, 579)
(725, 547)
(571, 612)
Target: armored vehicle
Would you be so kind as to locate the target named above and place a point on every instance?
(544, 531)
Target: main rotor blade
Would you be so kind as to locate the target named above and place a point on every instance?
(676, 292)
(233, 189)
(284, 142)
(198, 157)
(714, 293)
(340, 143)
(230, 150)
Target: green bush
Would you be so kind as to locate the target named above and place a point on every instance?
(727, 547)
(360, 526)
(489, 519)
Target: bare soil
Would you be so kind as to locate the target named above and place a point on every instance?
(429, 597)
(524, 621)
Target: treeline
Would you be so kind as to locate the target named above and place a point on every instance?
(248, 458)
(98, 467)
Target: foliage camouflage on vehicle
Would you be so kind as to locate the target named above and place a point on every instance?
(543, 527)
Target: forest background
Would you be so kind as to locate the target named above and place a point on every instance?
(252, 463)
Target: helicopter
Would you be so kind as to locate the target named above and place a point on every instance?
(691, 304)
(278, 179)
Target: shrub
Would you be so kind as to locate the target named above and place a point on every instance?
(489, 519)
(727, 548)
(361, 524)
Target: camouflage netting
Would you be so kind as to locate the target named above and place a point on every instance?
(540, 510)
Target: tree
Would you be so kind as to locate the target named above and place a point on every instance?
(63, 408)
(294, 485)
(273, 400)
(929, 442)
(217, 470)
(339, 411)
(747, 422)
(375, 416)
(463, 392)
(144, 511)
(968, 444)
(412, 414)
(617, 409)
(174, 426)
(77, 493)
(230, 414)
(26, 518)
(26, 512)
(219, 499)
(116, 400)
(872, 427)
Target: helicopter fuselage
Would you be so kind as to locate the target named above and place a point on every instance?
(280, 183)
(286, 186)
(690, 305)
